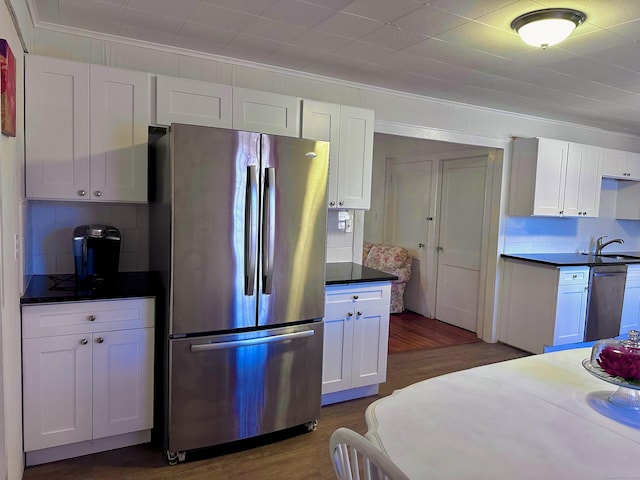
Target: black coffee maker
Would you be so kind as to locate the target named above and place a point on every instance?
(96, 252)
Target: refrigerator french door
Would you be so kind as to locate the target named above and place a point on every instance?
(243, 216)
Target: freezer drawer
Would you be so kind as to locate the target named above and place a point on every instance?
(229, 387)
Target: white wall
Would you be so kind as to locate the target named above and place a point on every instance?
(11, 211)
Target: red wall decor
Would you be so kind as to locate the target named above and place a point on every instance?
(8, 89)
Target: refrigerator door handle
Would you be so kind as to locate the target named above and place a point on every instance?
(251, 231)
(251, 341)
(268, 229)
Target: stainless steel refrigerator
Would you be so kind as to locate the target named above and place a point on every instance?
(238, 237)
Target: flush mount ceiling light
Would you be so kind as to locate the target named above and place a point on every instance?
(542, 28)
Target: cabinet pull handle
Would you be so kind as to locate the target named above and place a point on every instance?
(350, 314)
(355, 297)
(359, 314)
(82, 193)
(97, 193)
(91, 318)
(99, 340)
(84, 341)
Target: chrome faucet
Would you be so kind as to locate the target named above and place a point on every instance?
(600, 245)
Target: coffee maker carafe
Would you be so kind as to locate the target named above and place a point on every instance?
(96, 252)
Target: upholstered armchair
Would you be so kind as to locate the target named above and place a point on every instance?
(393, 260)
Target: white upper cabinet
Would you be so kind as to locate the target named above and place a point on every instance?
(584, 180)
(181, 100)
(264, 112)
(621, 164)
(555, 178)
(119, 107)
(57, 128)
(350, 131)
(86, 131)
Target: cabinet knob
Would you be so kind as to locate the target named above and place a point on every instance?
(97, 193)
(99, 340)
(355, 297)
(332, 203)
(359, 314)
(421, 245)
(91, 318)
(350, 314)
(82, 193)
(84, 341)
(429, 218)
(561, 212)
(341, 203)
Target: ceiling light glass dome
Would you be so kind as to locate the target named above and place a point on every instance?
(543, 28)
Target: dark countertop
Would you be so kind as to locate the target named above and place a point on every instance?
(127, 285)
(575, 259)
(348, 272)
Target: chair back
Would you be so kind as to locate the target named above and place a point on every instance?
(356, 458)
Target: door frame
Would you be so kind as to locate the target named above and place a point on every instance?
(498, 171)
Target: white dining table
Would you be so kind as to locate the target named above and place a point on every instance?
(537, 417)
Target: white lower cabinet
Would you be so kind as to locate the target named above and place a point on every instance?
(631, 304)
(87, 375)
(543, 305)
(356, 335)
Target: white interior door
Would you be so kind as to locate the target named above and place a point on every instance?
(407, 219)
(462, 212)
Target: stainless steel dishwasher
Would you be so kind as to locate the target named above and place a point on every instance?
(604, 308)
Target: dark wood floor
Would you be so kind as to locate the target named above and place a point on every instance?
(412, 331)
(296, 455)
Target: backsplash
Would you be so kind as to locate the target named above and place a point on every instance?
(339, 242)
(573, 234)
(49, 229)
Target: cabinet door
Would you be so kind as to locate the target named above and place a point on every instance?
(356, 157)
(551, 170)
(122, 381)
(631, 304)
(337, 349)
(119, 131)
(265, 112)
(181, 100)
(57, 129)
(571, 311)
(633, 166)
(614, 163)
(370, 342)
(57, 395)
(321, 121)
(583, 181)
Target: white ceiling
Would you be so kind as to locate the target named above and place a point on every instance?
(462, 50)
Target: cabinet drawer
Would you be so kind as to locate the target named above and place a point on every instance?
(574, 276)
(86, 317)
(369, 294)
